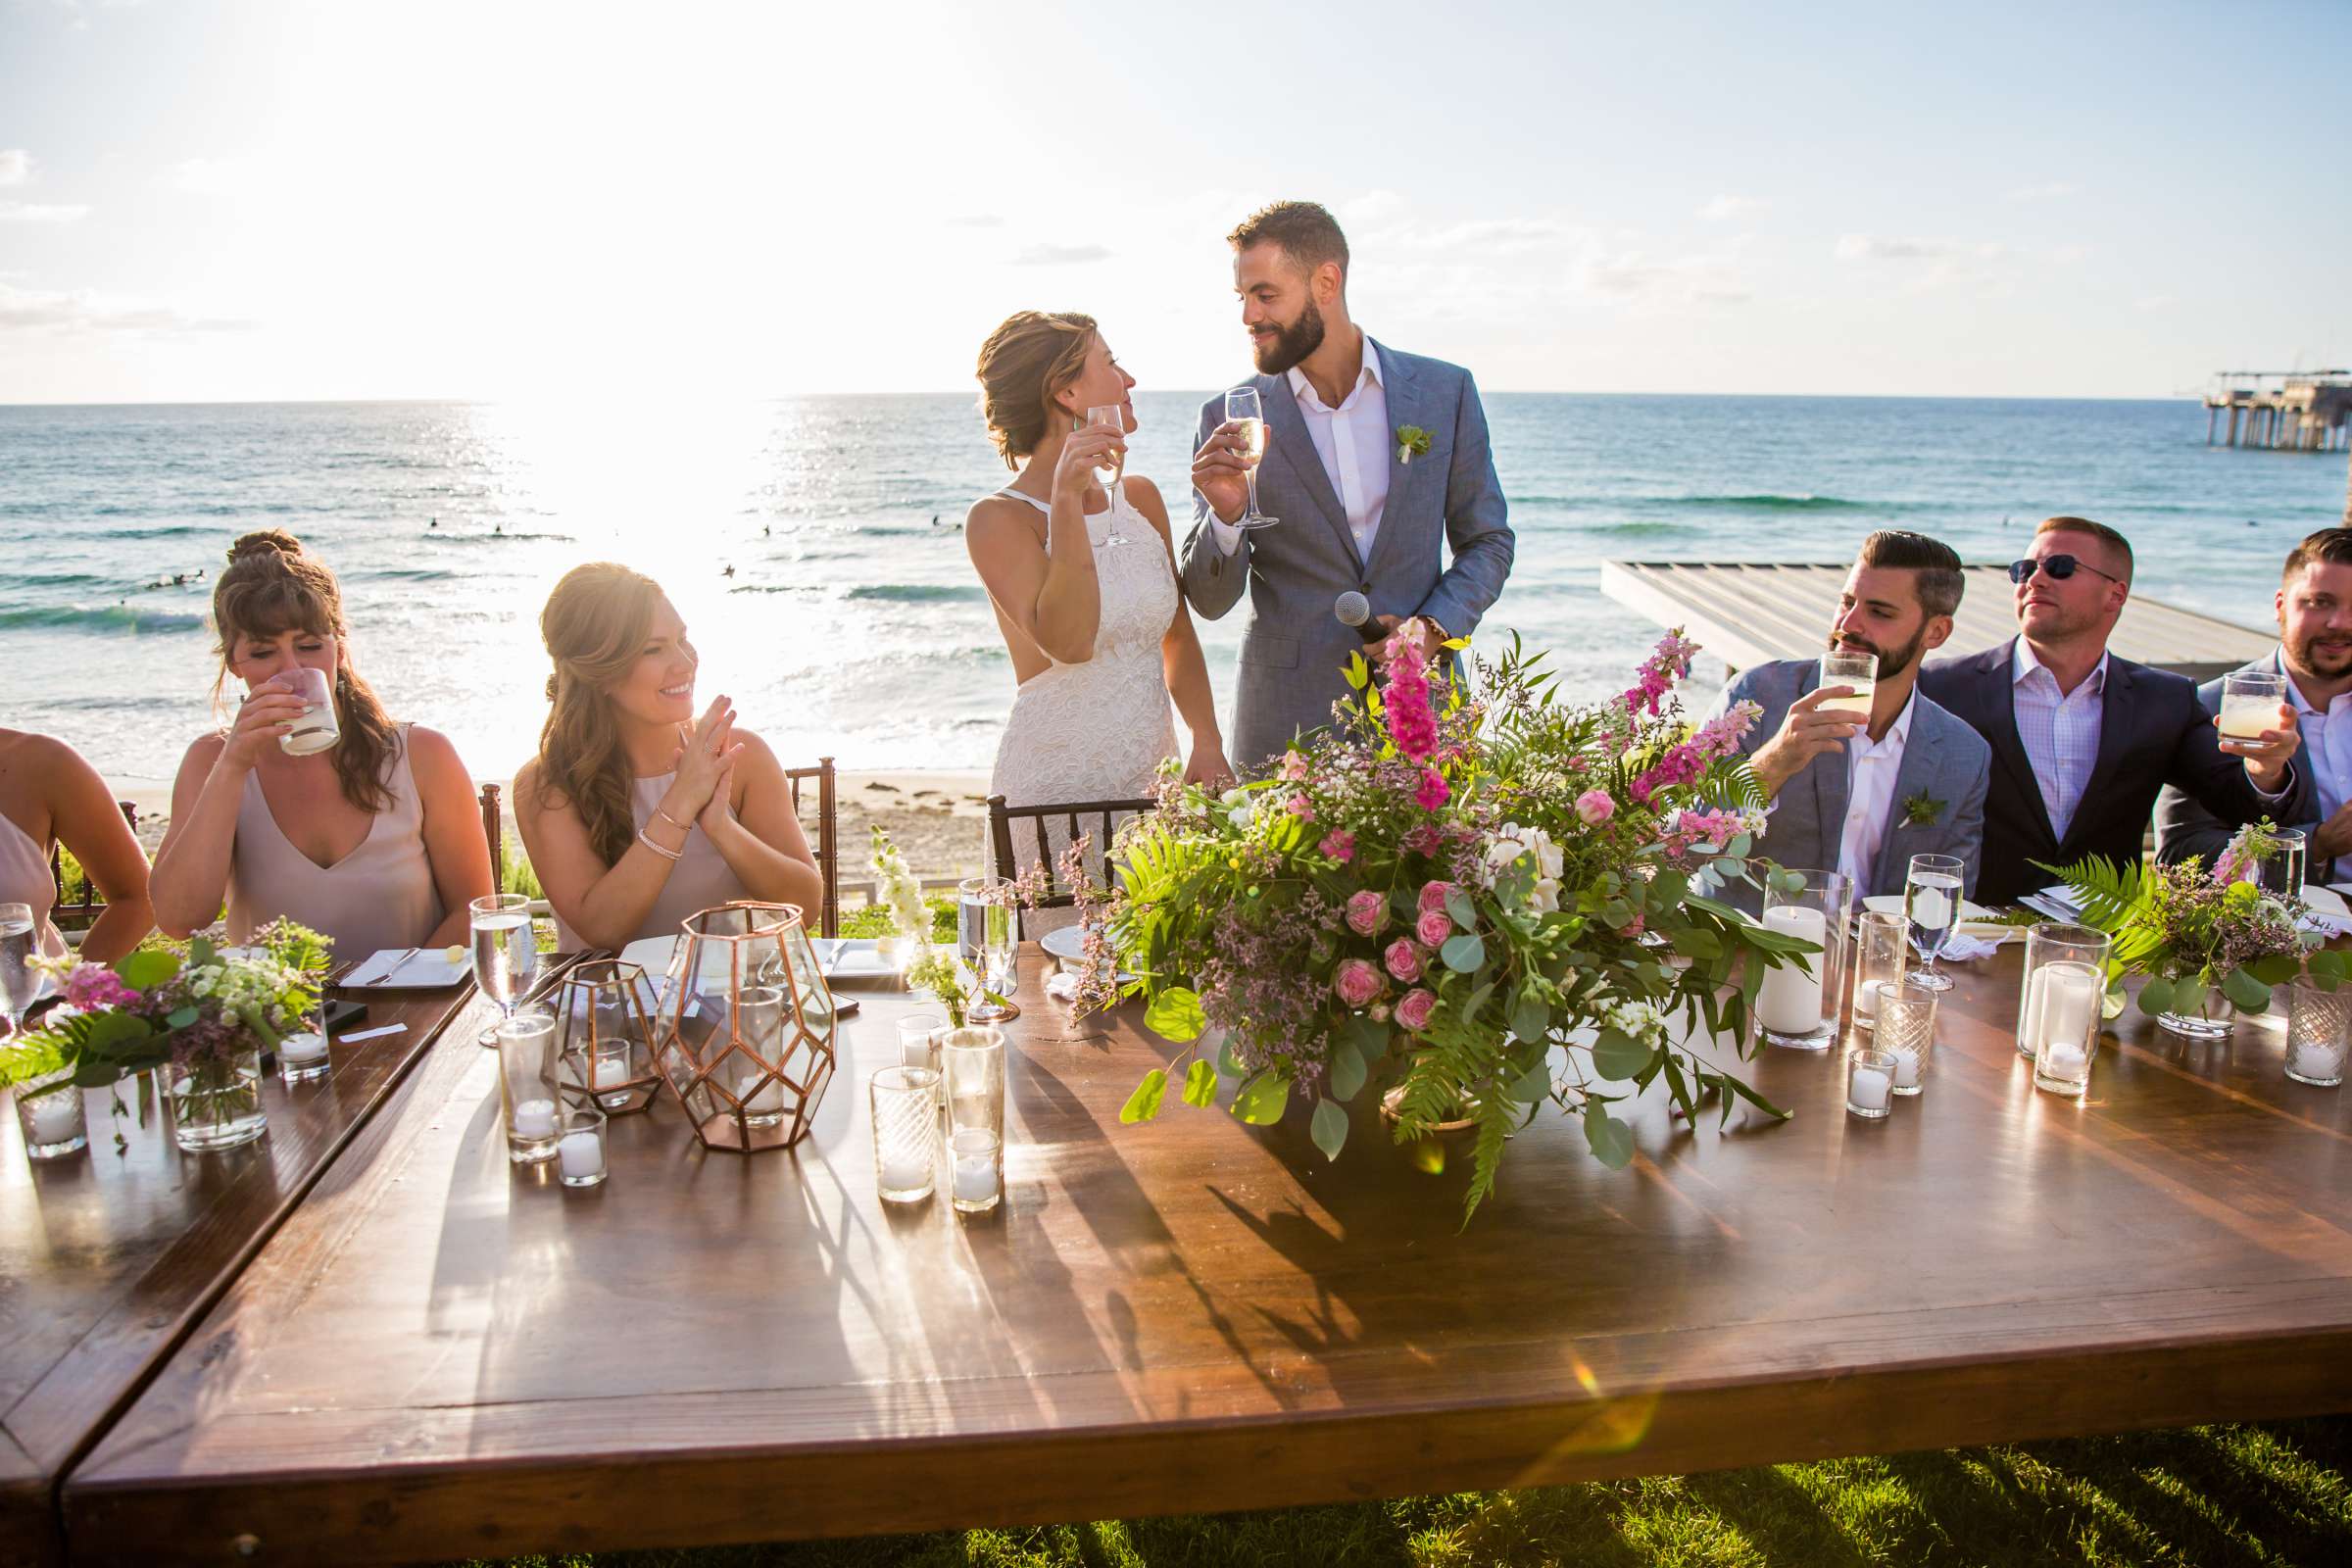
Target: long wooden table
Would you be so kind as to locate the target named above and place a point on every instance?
(439, 1355)
(109, 1257)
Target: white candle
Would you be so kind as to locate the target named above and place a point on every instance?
(1866, 998)
(583, 1154)
(1789, 1001)
(975, 1177)
(535, 1118)
(1906, 1066)
(2310, 1058)
(302, 1048)
(1930, 908)
(2065, 1063)
(1870, 1089)
(612, 1070)
(902, 1173)
(2070, 1002)
(56, 1116)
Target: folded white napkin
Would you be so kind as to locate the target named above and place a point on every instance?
(1964, 950)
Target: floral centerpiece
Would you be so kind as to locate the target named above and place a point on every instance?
(203, 1015)
(1492, 902)
(2208, 941)
(929, 966)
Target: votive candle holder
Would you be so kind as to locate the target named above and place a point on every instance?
(906, 1107)
(1869, 1083)
(2318, 1032)
(1906, 1031)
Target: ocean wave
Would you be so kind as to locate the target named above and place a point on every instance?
(450, 536)
(919, 593)
(1769, 502)
(413, 575)
(777, 588)
(102, 617)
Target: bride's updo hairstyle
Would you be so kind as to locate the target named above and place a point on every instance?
(594, 625)
(273, 586)
(1024, 363)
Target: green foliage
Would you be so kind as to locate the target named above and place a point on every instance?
(2190, 932)
(1144, 1103)
(873, 921)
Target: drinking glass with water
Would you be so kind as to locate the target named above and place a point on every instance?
(506, 953)
(1931, 908)
(20, 945)
(315, 728)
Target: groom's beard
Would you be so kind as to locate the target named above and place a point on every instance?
(1291, 343)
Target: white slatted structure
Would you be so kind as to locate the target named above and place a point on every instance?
(1749, 612)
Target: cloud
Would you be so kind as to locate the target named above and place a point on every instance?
(2047, 192)
(16, 165)
(1492, 235)
(33, 212)
(1696, 280)
(1884, 248)
(1929, 264)
(1373, 208)
(1060, 255)
(1727, 207)
(976, 221)
(24, 310)
(214, 176)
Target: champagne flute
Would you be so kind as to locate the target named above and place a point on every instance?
(1243, 407)
(1932, 907)
(20, 945)
(1111, 417)
(506, 953)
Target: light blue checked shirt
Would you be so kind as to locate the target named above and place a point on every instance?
(2061, 732)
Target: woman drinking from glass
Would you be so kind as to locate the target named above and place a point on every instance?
(636, 812)
(314, 805)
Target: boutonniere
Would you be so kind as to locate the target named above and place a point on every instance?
(1411, 441)
(1923, 809)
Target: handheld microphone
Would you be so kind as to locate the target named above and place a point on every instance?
(1354, 610)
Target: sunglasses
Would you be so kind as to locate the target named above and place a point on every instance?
(2060, 568)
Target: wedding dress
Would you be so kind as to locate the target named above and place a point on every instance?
(1095, 731)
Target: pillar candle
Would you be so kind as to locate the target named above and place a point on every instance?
(2069, 1004)
(535, 1118)
(1789, 1001)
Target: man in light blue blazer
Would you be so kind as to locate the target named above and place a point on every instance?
(1858, 798)
(1372, 459)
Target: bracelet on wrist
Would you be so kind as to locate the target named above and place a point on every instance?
(672, 821)
(647, 840)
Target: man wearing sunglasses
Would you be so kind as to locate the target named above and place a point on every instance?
(2081, 741)
(2314, 653)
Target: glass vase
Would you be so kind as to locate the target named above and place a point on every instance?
(2210, 1020)
(1799, 1000)
(2056, 942)
(217, 1101)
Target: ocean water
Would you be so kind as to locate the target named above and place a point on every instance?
(853, 624)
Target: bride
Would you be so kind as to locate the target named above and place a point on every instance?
(1083, 580)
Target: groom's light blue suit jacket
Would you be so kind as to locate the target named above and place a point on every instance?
(1293, 647)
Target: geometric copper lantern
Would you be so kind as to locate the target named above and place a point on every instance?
(604, 1037)
(745, 1038)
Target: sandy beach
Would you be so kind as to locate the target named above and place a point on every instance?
(939, 819)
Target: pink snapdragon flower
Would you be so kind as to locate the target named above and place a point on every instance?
(1339, 843)
(1367, 912)
(1595, 806)
(1356, 982)
(1434, 927)
(1412, 720)
(1404, 960)
(1433, 792)
(1414, 1008)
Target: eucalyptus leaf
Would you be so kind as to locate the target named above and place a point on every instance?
(2245, 992)
(2156, 996)
(1789, 881)
(146, 968)
(1618, 1056)
(1175, 1014)
(1144, 1103)
(1371, 1037)
(1534, 1085)
(1346, 1071)
(1464, 952)
(1612, 1142)
(2188, 996)
(1263, 1099)
(1201, 1084)
(1228, 1062)
(181, 1017)
(1329, 1128)
(1530, 1018)
(1461, 910)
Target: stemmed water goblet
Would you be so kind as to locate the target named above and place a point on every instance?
(1931, 908)
(506, 953)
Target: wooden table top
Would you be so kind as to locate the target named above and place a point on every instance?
(437, 1355)
(108, 1256)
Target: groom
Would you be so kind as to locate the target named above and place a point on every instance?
(1371, 455)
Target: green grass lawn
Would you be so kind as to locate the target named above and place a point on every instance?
(2202, 1498)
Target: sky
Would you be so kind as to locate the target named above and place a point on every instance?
(203, 200)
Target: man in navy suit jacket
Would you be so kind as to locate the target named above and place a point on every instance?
(2081, 741)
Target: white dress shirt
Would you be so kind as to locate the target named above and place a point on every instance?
(2327, 742)
(1353, 441)
(1870, 773)
(2060, 732)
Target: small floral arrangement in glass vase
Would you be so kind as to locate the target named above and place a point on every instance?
(1490, 905)
(927, 965)
(2210, 942)
(203, 1014)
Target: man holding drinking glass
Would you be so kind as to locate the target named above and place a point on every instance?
(2081, 741)
(1371, 456)
(2313, 668)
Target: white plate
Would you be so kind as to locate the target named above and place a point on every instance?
(399, 969)
(1976, 920)
(1066, 944)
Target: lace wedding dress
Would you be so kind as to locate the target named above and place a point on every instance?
(1095, 731)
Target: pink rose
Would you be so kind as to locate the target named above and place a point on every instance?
(1434, 896)
(1356, 982)
(1595, 806)
(1367, 912)
(1414, 1008)
(1435, 927)
(1378, 1012)
(1404, 960)
(1340, 845)
(1302, 808)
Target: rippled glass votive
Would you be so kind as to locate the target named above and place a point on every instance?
(905, 1105)
(1869, 1083)
(1907, 1032)
(2318, 1032)
(50, 1114)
